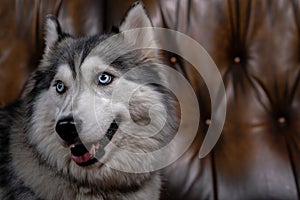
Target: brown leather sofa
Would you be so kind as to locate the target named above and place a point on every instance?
(256, 46)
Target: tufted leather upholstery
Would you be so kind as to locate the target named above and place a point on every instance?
(255, 44)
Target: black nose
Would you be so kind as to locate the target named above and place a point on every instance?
(66, 129)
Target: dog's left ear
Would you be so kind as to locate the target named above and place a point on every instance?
(52, 32)
(136, 17)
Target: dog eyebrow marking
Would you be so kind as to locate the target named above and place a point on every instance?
(94, 64)
(64, 73)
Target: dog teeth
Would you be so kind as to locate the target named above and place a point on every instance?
(97, 146)
(72, 146)
(93, 150)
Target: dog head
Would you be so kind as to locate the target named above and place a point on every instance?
(96, 103)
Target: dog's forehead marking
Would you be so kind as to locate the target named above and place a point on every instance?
(93, 63)
(64, 73)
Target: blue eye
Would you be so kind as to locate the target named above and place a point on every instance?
(60, 87)
(104, 78)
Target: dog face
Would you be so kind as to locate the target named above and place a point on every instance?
(95, 105)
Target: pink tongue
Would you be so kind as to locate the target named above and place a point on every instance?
(82, 159)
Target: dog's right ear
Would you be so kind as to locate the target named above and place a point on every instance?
(52, 31)
(144, 35)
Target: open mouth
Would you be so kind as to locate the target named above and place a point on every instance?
(86, 154)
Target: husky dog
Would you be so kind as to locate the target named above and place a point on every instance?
(83, 116)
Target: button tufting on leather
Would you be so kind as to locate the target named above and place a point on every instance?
(173, 59)
(281, 120)
(237, 59)
(208, 122)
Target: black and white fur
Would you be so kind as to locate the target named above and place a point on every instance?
(36, 163)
